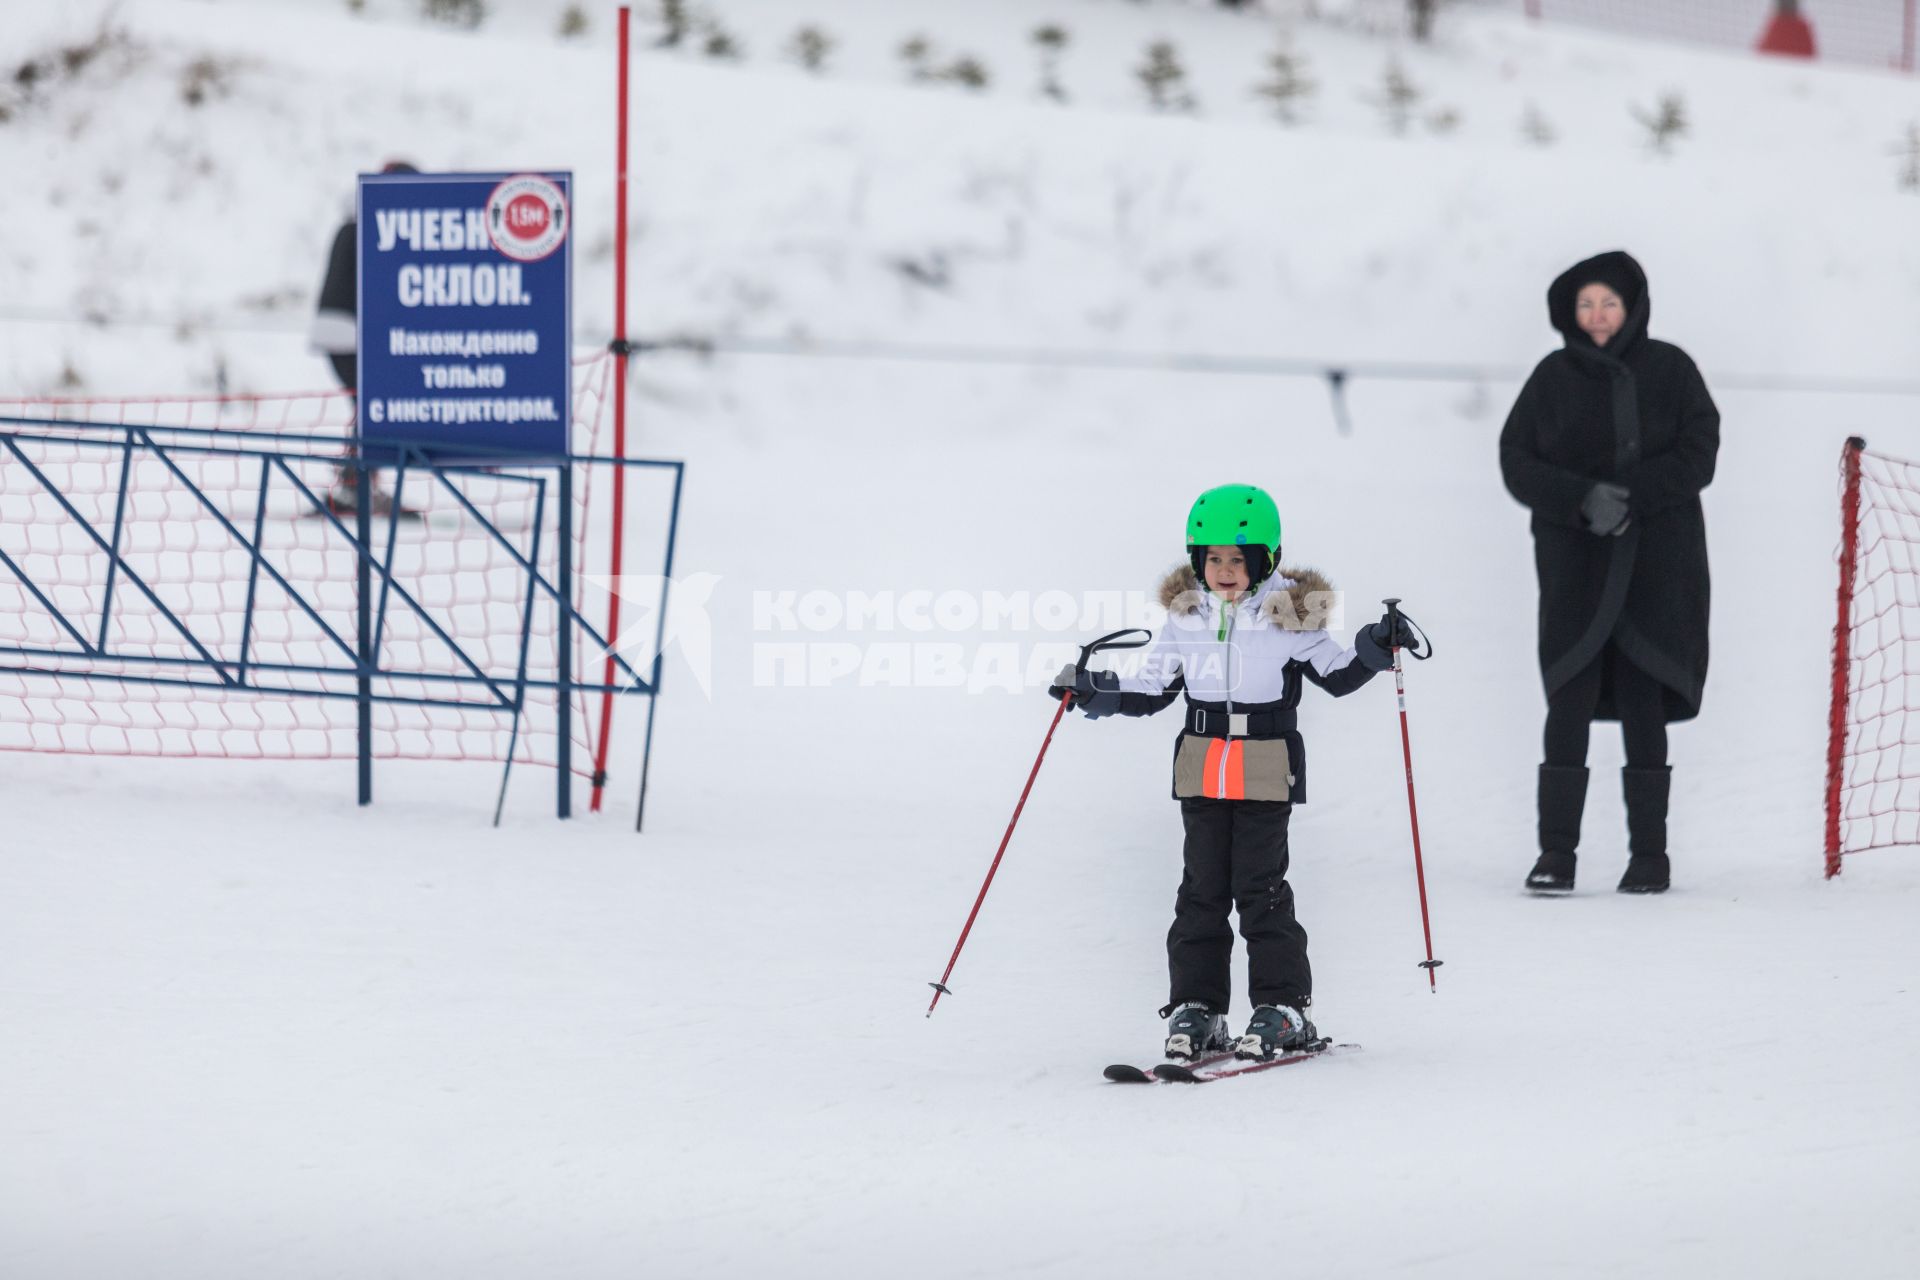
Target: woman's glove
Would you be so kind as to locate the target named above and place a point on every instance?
(1605, 510)
(1374, 644)
(1095, 692)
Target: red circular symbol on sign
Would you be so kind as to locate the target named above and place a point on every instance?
(527, 217)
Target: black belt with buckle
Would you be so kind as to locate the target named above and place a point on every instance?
(1238, 724)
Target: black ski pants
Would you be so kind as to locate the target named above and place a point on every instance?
(1637, 697)
(1236, 856)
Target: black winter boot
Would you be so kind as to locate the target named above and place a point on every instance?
(1563, 796)
(1647, 791)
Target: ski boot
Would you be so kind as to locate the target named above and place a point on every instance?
(1274, 1030)
(343, 499)
(1195, 1029)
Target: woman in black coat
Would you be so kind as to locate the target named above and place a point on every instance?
(1610, 443)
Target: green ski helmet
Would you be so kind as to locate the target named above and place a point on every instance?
(1235, 515)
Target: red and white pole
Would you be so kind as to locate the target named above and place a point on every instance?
(1842, 644)
(1413, 808)
(620, 352)
(940, 988)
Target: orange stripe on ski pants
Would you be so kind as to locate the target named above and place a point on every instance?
(1235, 776)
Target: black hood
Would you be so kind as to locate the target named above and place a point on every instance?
(1620, 273)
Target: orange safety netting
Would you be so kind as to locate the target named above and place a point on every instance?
(194, 614)
(1873, 785)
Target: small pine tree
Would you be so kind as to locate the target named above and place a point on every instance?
(967, 71)
(573, 22)
(675, 23)
(1287, 85)
(719, 44)
(455, 13)
(205, 77)
(1909, 153)
(1165, 78)
(1536, 128)
(1399, 95)
(21, 88)
(917, 53)
(1665, 124)
(1052, 41)
(76, 58)
(1421, 12)
(811, 47)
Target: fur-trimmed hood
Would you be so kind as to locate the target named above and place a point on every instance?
(1292, 598)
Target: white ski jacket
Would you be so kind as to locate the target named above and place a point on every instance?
(1239, 654)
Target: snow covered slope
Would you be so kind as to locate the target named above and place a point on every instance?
(251, 1031)
(769, 202)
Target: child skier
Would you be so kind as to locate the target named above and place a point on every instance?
(1238, 647)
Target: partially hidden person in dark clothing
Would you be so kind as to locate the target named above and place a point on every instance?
(1609, 445)
(335, 333)
(336, 326)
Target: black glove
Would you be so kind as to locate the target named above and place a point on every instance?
(1374, 643)
(1095, 692)
(1605, 510)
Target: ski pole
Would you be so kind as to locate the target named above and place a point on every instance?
(1413, 809)
(1112, 641)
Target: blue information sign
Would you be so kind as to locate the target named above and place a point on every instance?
(466, 310)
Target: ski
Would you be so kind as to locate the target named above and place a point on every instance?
(1177, 1073)
(1123, 1073)
(409, 517)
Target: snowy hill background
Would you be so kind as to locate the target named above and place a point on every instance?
(252, 1031)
